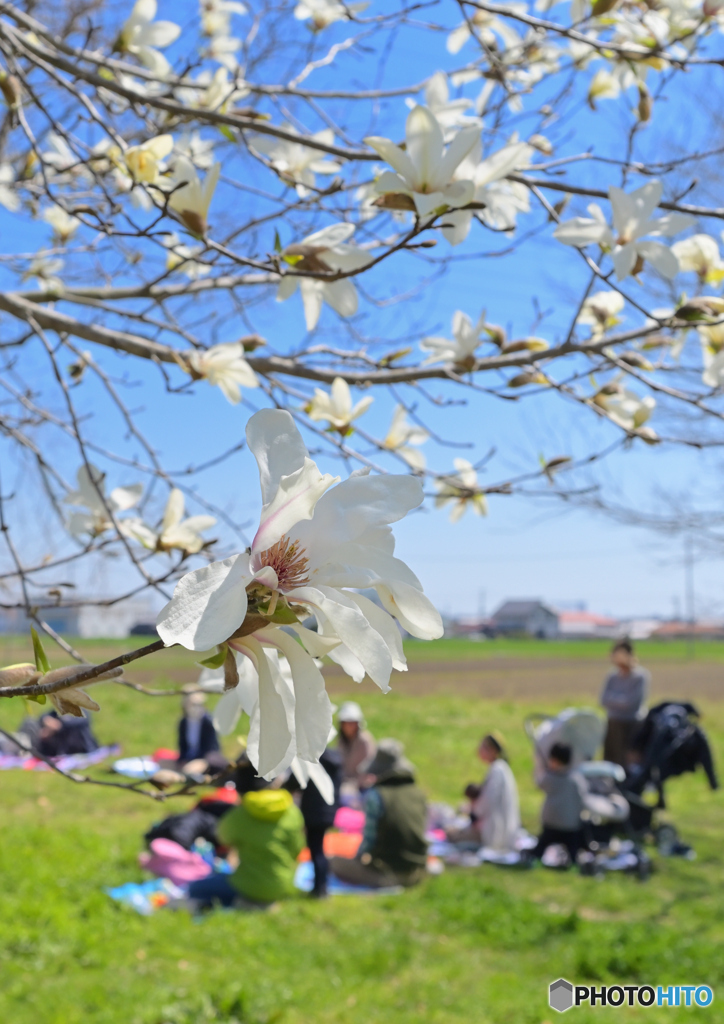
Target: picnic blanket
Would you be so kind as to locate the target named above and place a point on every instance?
(146, 897)
(304, 880)
(66, 763)
(337, 844)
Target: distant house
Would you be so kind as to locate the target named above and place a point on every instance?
(529, 617)
(587, 624)
(85, 621)
(682, 630)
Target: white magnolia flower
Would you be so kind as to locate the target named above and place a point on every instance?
(489, 28)
(502, 200)
(212, 92)
(144, 163)
(142, 36)
(608, 85)
(174, 532)
(46, 269)
(91, 495)
(296, 163)
(325, 12)
(461, 350)
(335, 405)
(700, 254)
(316, 546)
(462, 489)
(712, 352)
(450, 114)
(223, 48)
(64, 225)
(183, 257)
(191, 197)
(216, 16)
(8, 197)
(600, 312)
(59, 155)
(631, 222)
(225, 366)
(627, 409)
(402, 435)
(324, 251)
(200, 152)
(425, 168)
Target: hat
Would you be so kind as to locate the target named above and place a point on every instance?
(351, 712)
(389, 758)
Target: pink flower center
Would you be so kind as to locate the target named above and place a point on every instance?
(288, 561)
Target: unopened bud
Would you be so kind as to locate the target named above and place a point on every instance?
(19, 675)
(646, 104)
(648, 434)
(541, 143)
(635, 359)
(602, 7)
(10, 88)
(701, 307)
(529, 377)
(496, 334)
(194, 222)
(394, 201)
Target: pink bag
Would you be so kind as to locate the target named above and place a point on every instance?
(348, 820)
(168, 859)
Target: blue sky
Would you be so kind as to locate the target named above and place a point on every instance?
(534, 547)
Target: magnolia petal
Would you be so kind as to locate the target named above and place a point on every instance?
(208, 605)
(624, 260)
(456, 227)
(353, 629)
(385, 626)
(227, 713)
(314, 643)
(342, 297)
(424, 146)
(126, 497)
(312, 709)
(295, 499)
(660, 257)
(580, 231)
(312, 298)
(397, 158)
(287, 287)
(271, 737)
(277, 446)
(465, 140)
(412, 609)
(174, 510)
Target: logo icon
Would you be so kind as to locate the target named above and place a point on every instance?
(560, 995)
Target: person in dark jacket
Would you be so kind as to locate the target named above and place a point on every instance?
(319, 815)
(60, 735)
(196, 733)
(394, 848)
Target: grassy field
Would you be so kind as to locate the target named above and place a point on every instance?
(470, 946)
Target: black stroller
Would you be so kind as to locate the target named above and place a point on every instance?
(669, 742)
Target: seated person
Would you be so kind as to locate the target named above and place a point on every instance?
(394, 849)
(60, 735)
(197, 739)
(566, 792)
(355, 744)
(266, 830)
(494, 811)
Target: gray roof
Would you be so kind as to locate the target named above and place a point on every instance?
(522, 608)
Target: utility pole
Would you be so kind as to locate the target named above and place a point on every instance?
(690, 607)
(481, 605)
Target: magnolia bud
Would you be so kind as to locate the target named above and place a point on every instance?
(529, 377)
(602, 7)
(541, 143)
(646, 104)
(496, 334)
(10, 88)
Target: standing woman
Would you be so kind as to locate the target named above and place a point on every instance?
(624, 699)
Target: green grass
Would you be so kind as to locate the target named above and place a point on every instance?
(474, 946)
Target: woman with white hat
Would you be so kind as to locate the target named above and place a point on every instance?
(355, 743)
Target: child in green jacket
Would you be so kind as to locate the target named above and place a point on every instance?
(266, 830)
